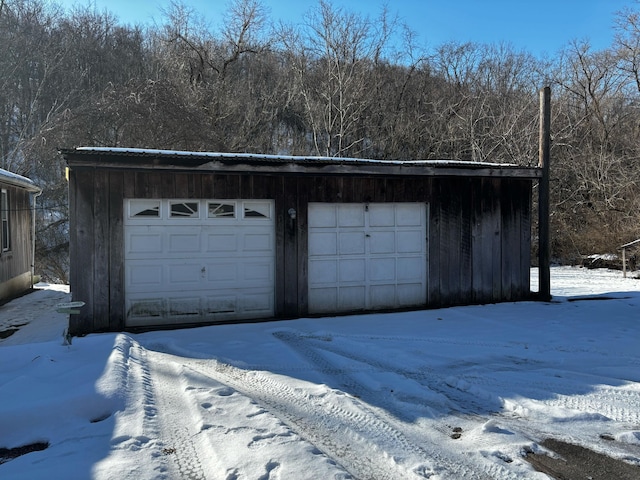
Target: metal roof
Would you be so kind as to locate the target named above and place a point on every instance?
(148, 152)
(117, 157)
(18, 180)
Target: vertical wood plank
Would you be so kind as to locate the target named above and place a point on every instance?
(291, 240)
(116, 251)
(450, 243)
(182, 185)
(466, 267)
(487, 252)
(318, 189)
(100, 247)
(435, 240)
(525, 239)
(166, 186)
(478, 242)
(82, 186)
(207, 185)
(73, 232)
(194, 187)
(130, 185)
(396, 190)
(280, 280)
(302, 188)
(510, 241)
(497, 245)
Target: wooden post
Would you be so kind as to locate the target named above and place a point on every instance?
(544, 244)
(624, 262)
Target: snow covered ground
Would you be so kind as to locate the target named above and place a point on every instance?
(453, 393)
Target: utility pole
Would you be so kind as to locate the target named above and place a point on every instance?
(544, 153)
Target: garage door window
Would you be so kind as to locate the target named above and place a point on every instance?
(144, 208)
(221, 210)
(184, 209)
(257, 210)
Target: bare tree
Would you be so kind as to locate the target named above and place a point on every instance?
(336, 53)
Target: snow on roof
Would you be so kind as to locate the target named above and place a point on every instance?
(289, 158)
(18, 180)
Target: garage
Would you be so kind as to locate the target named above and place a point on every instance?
(191, 261)
(163, 238)
(367, 256)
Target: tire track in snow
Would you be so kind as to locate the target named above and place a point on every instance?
(453, 467)
(173, 415)
(459, 401)
(130, 374)
(559, 388)
(601, 401)
(356, 437)
(616, 403)
(470, 411)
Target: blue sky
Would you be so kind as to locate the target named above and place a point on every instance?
(537, 26)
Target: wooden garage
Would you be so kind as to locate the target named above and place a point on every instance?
(17, 233)
(168, 238)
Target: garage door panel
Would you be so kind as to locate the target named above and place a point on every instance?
(409, 241)
(184, 242)
(382, 215)
(221, 272)
(409, 269)
(254, 242)
(323, 300)
(382, 242)
(352, 298)
(325, 216)
(257, 302)
(256, 272)
(190, 261)
(383, 296)
(409, 294)
(144, 243)
(179, 275)
(408, 216)
(350, 215)
(323, 243)
(221, 304)
(222, 242)
(353, 270)
(142, 310)
(382, 270)
(184, 307)
(150, 275)
(352, 243)
(323, 271)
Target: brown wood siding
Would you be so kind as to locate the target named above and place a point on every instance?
(116, 249)
(17, 260)
(81, 235)
(486, 250)
(478, 231)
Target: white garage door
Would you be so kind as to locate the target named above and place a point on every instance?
(192, 261)
(366, 256)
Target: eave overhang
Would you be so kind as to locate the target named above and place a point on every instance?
(242, 163)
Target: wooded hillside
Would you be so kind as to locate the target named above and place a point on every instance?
(337, 84)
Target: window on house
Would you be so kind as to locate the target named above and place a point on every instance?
(6, 227)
